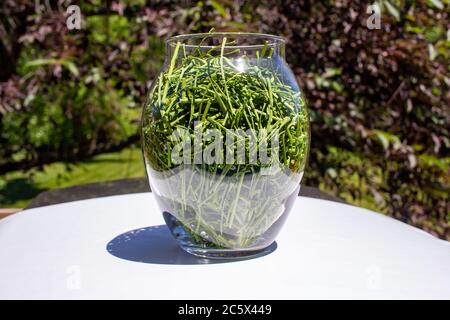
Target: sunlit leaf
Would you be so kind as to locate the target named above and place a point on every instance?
(40, 62)
(218, 7)
(392, 10)
(70, 66)
(386, 139)
(435, 3)
(432, 53)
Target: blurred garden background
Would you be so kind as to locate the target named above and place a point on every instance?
(70, 100)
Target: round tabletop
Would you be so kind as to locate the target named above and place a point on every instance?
(118, 247)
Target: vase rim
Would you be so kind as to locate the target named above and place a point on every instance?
(272, 40)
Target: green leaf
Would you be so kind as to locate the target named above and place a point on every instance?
(40, 62)
(436, 4)
(386, 138)
(392, 10)
(382, 139)
(432, 52)
(415, 29)
(428, 160)
(434, 34)
(70, 66)
(331, 72)
(332, 173)
(339, 88)
(237, 25)
(218, 7)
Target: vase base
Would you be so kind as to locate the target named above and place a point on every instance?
(227, 254)
(205, 250)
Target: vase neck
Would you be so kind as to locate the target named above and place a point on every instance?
(229, 44)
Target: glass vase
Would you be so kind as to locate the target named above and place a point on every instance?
(225, 136)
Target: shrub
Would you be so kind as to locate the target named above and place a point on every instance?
(379, 99)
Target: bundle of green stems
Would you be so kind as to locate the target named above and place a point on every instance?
(222, 204)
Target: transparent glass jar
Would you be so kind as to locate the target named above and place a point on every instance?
(225, 134)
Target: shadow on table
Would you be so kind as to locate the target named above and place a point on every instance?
(156, 245)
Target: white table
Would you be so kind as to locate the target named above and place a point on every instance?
(325, 250)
